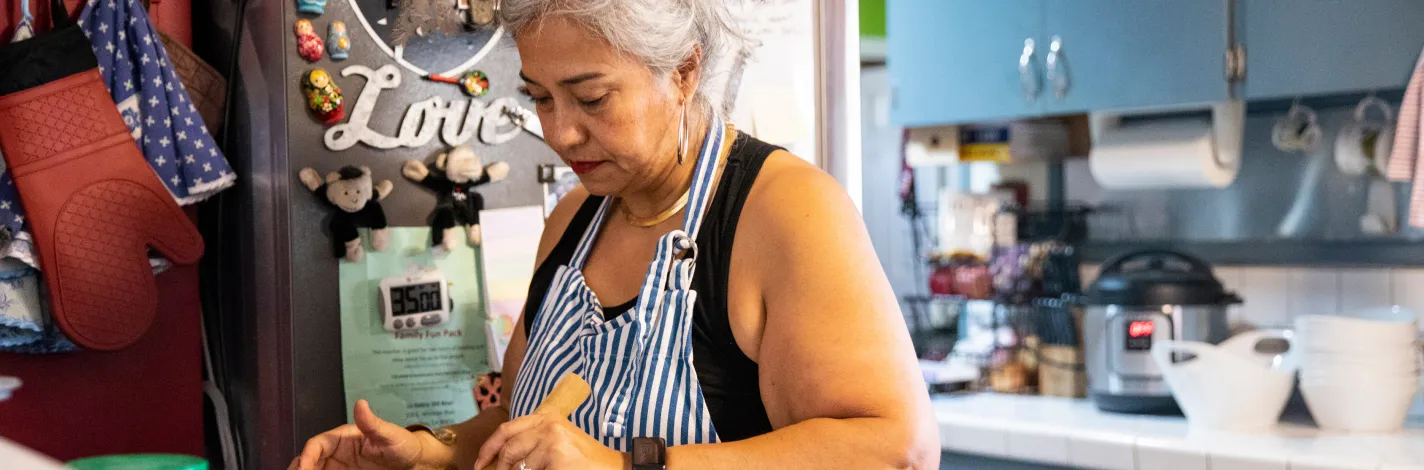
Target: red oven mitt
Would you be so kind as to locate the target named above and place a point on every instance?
(95, 206)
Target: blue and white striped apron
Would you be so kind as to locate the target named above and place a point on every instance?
(639, 364)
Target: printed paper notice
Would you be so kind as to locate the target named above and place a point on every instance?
(417, 376)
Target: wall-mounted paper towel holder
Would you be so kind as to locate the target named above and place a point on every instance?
(1159, 148)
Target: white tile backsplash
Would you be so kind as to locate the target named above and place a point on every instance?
(1274, 295)
(1313, 292)
(1407, 288)
(1267, 295)
(1364, 288)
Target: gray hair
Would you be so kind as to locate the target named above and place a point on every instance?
(662, 33)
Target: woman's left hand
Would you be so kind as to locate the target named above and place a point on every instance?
(544, 442)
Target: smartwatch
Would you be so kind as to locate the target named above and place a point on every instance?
(649, 453)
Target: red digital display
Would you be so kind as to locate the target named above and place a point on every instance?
(1140, 329)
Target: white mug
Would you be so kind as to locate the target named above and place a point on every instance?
(1365, 144)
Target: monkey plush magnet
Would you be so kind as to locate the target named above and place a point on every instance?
(359, 203)
(454, 177)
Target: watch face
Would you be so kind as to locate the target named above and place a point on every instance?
(648, 453)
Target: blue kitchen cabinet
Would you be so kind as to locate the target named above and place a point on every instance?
(967, 61)
(1296, 48)
(1112, 54)
(958, 61)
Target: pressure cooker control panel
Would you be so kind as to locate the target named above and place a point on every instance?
(1139, 335)
(1131, 336)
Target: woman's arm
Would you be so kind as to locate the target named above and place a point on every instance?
(838, 374)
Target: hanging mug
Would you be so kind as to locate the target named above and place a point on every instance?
(1364, 144)
(1297, 131)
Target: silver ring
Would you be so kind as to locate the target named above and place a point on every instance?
(522, 466)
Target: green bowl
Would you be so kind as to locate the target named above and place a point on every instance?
(140, 462)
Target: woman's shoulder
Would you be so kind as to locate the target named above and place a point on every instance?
(794, 200)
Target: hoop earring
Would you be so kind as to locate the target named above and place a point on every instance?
(682, 136)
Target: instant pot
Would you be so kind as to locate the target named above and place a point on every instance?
(1138, 299)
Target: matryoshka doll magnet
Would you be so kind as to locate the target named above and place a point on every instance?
(323, 96)
(338, 43)
(315, 7)
(309, 45)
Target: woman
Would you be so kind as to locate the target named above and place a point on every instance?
(773, 341)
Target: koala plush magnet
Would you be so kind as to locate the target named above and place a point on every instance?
(359, 202)
(454, 177)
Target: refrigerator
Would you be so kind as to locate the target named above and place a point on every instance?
(270, 299)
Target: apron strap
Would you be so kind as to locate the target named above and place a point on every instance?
(59, 15)
(704, 175)
(590, 234)
(699, 197)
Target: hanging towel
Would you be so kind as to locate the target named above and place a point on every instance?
(26, 28)
(162, 120)
(1404, 157)
(153, 102)
(25, 325)
(11, 218)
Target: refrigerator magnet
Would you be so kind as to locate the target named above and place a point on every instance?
(474, 83)
(323, 96)
(357, 200)
(338, 42)
(313, 7)
(309, 45)
(453, 177)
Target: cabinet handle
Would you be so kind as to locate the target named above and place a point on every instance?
(1029, 78)
(1057, 68)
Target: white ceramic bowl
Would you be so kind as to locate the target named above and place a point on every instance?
(1360, 382)
(1220, 389)
(1372, 329)
(1312, 362)
(1356, 409)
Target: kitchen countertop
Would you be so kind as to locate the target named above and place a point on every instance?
(1064, 431)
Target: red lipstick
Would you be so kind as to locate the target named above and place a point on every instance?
(584, 167)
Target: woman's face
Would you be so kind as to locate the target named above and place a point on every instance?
(607, 115)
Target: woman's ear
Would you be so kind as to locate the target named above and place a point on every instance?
(689, 74)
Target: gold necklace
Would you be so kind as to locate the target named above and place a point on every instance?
(681, 201)
(660, 217)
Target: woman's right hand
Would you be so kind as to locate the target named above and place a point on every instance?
(371, 443)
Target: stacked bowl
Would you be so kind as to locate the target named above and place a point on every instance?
(1358, 371)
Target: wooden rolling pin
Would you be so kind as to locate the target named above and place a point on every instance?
(571, 391)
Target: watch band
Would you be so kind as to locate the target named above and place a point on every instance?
(443, 434)
(649, 453)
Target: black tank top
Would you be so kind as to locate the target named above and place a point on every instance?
(728, 377)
